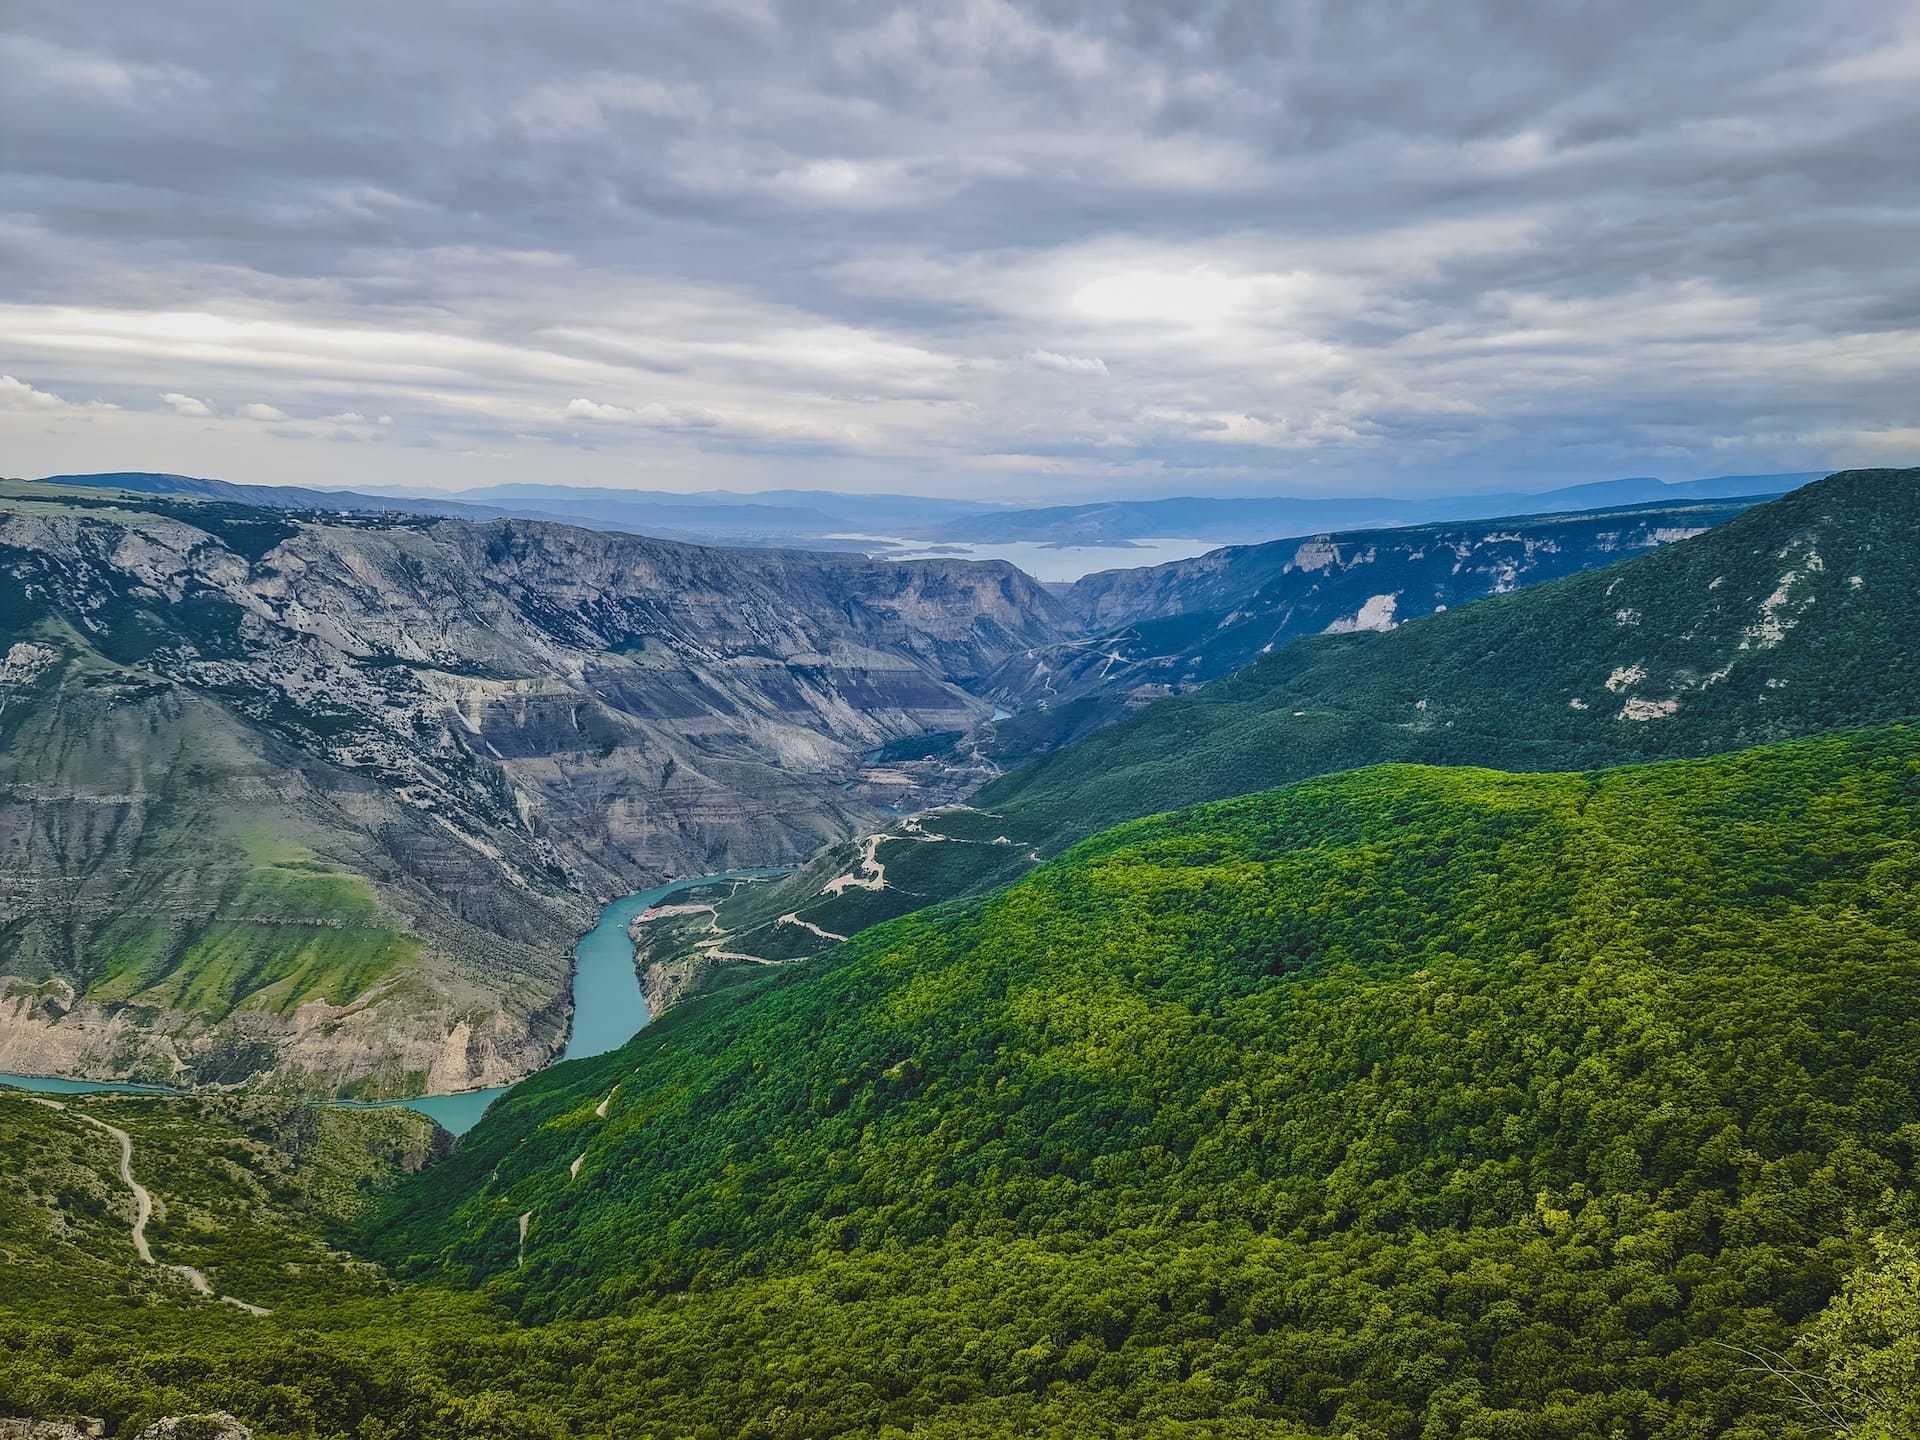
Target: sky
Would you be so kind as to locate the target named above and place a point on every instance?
(1038, 251)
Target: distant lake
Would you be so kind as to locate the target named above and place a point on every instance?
(1057, 564)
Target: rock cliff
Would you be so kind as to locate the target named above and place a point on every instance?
(323, 801)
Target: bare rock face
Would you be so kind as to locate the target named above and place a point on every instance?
(324, 803)
(22, 1429)
(216, 1426)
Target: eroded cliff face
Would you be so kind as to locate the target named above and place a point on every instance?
(324, 803)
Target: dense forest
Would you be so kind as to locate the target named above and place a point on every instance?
(1401, 1103)
(1384, 1102)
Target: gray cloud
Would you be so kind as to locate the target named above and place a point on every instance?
(981, 247)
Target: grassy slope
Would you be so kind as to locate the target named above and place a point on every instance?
(257, 917)
(246, 1189)
(254, 1193)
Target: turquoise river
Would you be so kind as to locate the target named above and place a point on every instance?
(608, 1008)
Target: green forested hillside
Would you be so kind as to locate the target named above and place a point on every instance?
(1401, 1104)
(1797, 617)
(1406, 1102)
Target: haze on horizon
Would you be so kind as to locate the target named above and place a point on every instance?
(1016, 251)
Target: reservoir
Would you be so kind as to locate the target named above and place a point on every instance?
(608, 1009)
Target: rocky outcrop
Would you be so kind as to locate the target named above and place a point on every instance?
(218, 1425)
(28, 1429)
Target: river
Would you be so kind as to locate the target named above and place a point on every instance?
(608, 1010)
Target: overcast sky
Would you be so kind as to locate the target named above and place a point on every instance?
(1026, 250)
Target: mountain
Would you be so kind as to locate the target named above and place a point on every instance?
(267, 497)
(1397, 1102)
(323, 800)
(794, 514)
(1240, 521)
(1172, 628)
(1406, 1101)
(1797, 616)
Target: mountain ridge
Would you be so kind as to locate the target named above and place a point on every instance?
(1171, 628)
(1253, 520)
(1795, 616)
(821, 519)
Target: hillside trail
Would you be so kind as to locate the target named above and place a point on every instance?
(717, 934)
(793, 918)
(869, 873)
(143, 1207)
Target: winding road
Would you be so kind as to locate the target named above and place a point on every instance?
(143, 1207)
(793, 918)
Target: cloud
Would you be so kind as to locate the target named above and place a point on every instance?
(54, 72)
(592, 105)
(1070, 364)
(594, 410)
(1150, 247)
(18, 395)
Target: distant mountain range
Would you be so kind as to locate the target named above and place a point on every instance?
(810, 518)
(1246, 521)
(817, 519)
